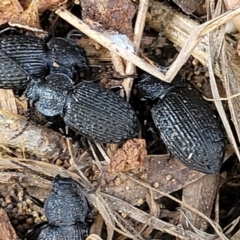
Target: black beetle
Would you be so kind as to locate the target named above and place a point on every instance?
(186, 123)
(66, 209)
(87, 108)
(25, 57)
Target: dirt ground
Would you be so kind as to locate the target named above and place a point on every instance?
(142, 191)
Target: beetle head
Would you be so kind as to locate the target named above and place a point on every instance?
(33, 90)
(153, 88)
(64, 186)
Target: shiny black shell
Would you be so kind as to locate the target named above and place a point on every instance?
(24, 57)
(66, 209)
(100, 114)
(77, 231)
(65, 205)
(66, 57)
(21, 57)
(187, 125)
(87, 108)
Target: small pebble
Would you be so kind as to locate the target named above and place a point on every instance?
(20, 211)
(9, 206)
(195, 62)
(8, 199)
(14, 210)
(25, 226)
(59, 162)
(66, 164)
(29, 211)
(29, 221)
(14, 221)
(12, 193)
(21, 217)
(20, 195)
(43, 218)
(37, 220)
(29, 202)
(19, 228)
(44, 160)
(19, 205)
(35, 214)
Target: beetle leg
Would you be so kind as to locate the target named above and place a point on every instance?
(33, 199)
(35, 230)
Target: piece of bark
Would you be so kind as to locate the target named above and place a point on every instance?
(200, 195)
(6, 230)
(36, 140)
(7, 100)
(157, 171)
(231, 79)
(188, 6)
(111, 15)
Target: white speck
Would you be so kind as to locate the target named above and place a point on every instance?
(190, 156)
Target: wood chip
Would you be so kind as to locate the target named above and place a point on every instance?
(6, 230)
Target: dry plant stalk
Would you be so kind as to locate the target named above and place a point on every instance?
(230, 4)
(130, 67)
(191, 41)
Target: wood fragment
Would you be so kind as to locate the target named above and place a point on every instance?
(36, 140)
(6, 230)
(200, 195)
(7, 100)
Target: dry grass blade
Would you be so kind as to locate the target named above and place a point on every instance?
(107, 42)
(211, 55)
(140, 216)
(212, 223)
(190, 44)
(93, 237)
(189, 219)
(137, 37)
(40, 167)
(109, 218)
(195, 38)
